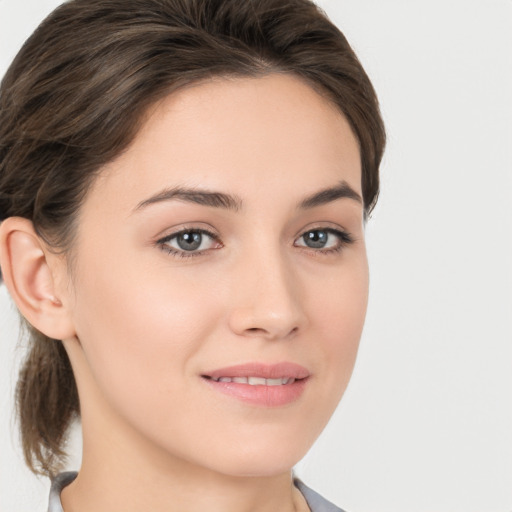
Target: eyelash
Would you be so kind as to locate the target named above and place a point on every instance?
(344, 239)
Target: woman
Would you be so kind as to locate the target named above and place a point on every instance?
(183, 191)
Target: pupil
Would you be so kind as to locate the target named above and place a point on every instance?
(189, 241)
(315, 239)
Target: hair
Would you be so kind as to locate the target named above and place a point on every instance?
(76, 95)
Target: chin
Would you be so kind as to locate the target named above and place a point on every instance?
(260, 461)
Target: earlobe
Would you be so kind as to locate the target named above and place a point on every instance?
(30, 277)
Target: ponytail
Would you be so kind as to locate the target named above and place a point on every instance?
(46, 402)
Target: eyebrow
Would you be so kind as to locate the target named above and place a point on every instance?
(193, 195)
(235, 203)
(330, 194)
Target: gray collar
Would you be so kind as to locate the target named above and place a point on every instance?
(316, 503)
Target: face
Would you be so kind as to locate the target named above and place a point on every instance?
(220, 280)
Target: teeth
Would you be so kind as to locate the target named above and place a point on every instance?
(256, 381)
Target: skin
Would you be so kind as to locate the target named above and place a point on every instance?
(144, 324)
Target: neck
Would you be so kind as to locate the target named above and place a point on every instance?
(133, 493)
(120, 476)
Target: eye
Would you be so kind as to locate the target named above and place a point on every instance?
(325, 239)
(189, 242)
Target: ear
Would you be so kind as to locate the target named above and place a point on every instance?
(32, 273)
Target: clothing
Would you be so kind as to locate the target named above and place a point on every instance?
(315, 502)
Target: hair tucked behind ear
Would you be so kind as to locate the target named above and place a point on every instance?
(76, 94)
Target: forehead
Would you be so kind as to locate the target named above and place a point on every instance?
(241, 134)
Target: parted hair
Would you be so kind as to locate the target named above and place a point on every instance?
(76, 95)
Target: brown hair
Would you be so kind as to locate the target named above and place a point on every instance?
(76, 94)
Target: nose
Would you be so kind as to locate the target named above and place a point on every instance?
(266, 299)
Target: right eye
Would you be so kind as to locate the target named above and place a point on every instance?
(189, 242)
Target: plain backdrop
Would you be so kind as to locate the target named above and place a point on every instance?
(426, 424)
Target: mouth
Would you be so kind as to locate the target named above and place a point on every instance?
(260, 384)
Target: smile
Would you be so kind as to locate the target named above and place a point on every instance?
(260, 384)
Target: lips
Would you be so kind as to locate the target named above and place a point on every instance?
(260, 384)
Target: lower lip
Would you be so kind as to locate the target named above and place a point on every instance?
(265, 396)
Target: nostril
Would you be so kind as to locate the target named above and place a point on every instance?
(259, 331)
(256, 331)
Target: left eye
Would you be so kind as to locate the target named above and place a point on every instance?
(189, 241)
(323, 239)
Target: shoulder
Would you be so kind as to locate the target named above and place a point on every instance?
(315, 502)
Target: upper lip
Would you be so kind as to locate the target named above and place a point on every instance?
(263, 370)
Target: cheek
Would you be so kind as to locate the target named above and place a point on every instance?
(140, 333)
(340, 313)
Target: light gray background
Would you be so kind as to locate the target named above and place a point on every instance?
(426, 424)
